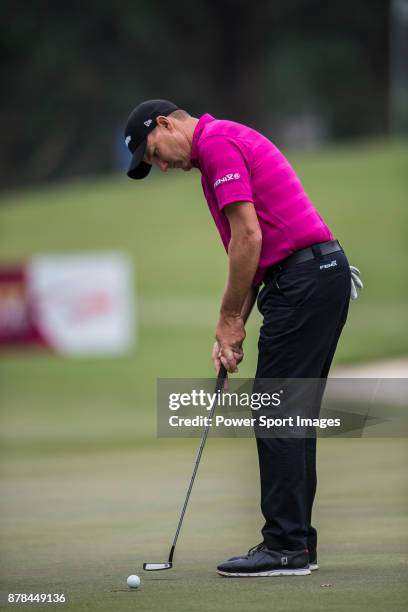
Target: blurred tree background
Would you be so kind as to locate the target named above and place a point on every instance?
(302, 71)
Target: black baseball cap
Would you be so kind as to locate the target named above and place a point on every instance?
(142, 121)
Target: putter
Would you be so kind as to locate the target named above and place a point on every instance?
(154, 567)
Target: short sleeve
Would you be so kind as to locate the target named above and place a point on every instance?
(224, 165)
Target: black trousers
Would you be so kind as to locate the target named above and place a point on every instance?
(304, 309)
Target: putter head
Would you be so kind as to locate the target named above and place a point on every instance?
(154, 567)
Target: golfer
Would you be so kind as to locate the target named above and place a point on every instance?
(277, 241)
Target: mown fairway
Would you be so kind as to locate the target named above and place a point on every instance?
(87, 490)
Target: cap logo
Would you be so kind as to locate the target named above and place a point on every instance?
(148, 122)
(127, 140)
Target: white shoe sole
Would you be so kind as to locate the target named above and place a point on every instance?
(313, 567)
(280, 572)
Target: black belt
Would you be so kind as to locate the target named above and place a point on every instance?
(315, 251)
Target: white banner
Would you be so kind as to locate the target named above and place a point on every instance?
(83, 303)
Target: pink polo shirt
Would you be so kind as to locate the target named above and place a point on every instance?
(238, 164)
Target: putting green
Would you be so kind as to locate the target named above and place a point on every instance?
(80, 524)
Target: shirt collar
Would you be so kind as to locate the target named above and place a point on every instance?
(197, 135)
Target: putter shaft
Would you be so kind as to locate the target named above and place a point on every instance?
(222, 374)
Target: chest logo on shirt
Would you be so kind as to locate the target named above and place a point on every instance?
(233, 176)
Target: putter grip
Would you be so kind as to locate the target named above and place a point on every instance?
(222, 375)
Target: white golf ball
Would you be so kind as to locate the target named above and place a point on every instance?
(133, 581)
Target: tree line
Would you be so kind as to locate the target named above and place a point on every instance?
(71, 72)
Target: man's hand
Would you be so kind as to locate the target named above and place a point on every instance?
(230, 335)
(215, 356)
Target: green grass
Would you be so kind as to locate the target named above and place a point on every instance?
(81, 524)
(87, 492)
(164, 225)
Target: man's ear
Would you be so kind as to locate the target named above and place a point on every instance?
(164, 122)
